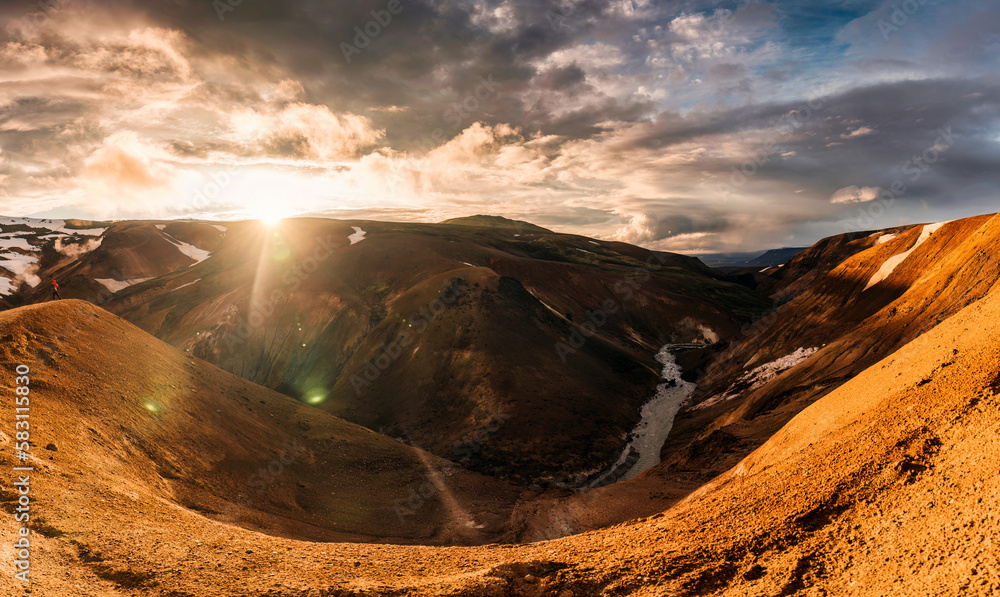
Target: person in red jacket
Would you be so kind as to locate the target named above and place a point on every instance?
(55, 290)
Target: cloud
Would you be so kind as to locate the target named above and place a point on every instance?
(855, 194)
(304, 131)
(861, 131)
(123, 160)
(645, 228)
(673, 125)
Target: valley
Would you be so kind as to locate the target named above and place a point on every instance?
(452, 408)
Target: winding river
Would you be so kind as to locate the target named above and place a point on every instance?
(643, 451)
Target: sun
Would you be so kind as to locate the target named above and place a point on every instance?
(269, 213)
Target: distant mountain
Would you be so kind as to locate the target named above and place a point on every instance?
(769, 258)
(776, 257)
(482, 221)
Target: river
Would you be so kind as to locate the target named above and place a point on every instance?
(657, 418)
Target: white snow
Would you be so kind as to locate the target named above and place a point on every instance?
(161, 226)
(761, 375)
(115, 285)
(17, 263)
(593, 242)
(531, 291)
(220, 228)
(768, 371)
(358, 236)
(24, 267)
(191, 251)
(14, 242)
(586, 251)
(468, 264)
(886, 238)
(893, 262)
(657, 418)
(186, 285)
(50, 225)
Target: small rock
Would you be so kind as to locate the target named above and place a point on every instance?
(51, 447)
(530, 578)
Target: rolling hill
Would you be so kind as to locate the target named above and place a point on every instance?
(159, 431)
(869, 295)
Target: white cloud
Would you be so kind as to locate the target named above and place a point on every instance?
(855, 194)
(861, 131)
(305, 130)
(588, 57)
(125, 160)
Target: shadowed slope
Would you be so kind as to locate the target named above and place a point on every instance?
(162, 430)
(554, 332)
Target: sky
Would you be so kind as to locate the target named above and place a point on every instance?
(684, 126)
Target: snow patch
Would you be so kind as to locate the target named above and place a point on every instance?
(467, 263)
(50, 225)
(115, 285)
(186, 285)
(161, 226)
(768, 371)
(760, 376)
(220, 228)
(358, 236)
(531, 291)
(885, 238)
(17, 263)
(190, 250)
(893, 262)
(14, 242)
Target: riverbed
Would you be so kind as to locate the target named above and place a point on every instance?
(657, 419)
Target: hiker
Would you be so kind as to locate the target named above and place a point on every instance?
(55, 290)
